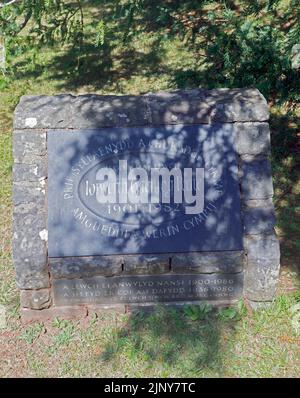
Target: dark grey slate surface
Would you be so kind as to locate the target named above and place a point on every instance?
(146, 264)
(147, 289)
(223, 262)
(80, 226)
(72, 267)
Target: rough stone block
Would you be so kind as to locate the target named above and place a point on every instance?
(259, 220)
(175, 107)
(72, 267)
(207, 262)
(24, 209)
(259, 203)
(35, 299)
(29, 231)
(91, 111)
(29, 250)
(100, 283)
(146, 264)
(43, 112)
(256, 179)
(29, 192)
(30, 172)
(28, 146)
(253, 138)
(32, 273)
(262, 249)
(207, 106)
(29, 247)
(262, 270)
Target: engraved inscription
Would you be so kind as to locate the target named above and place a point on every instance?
(143, 190)
(147, 289)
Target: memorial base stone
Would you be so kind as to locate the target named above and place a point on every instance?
(78, 251)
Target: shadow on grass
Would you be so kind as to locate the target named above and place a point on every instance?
(99, 69)
(169, 341)
(286, 171)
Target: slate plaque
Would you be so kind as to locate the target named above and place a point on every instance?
(147, 289)
(143, 190)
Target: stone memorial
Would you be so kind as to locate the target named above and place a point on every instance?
(123, 202)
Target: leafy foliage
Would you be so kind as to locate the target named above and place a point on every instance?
(236, 44)
(100, 34)
(50, 21)
(42, 23)
(244, 43)
(233, 313)
(197, 312)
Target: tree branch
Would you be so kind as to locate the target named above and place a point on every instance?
(8, 3)
(26, 19)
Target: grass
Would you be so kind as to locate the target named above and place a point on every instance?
(164, 343)
(196, 341)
